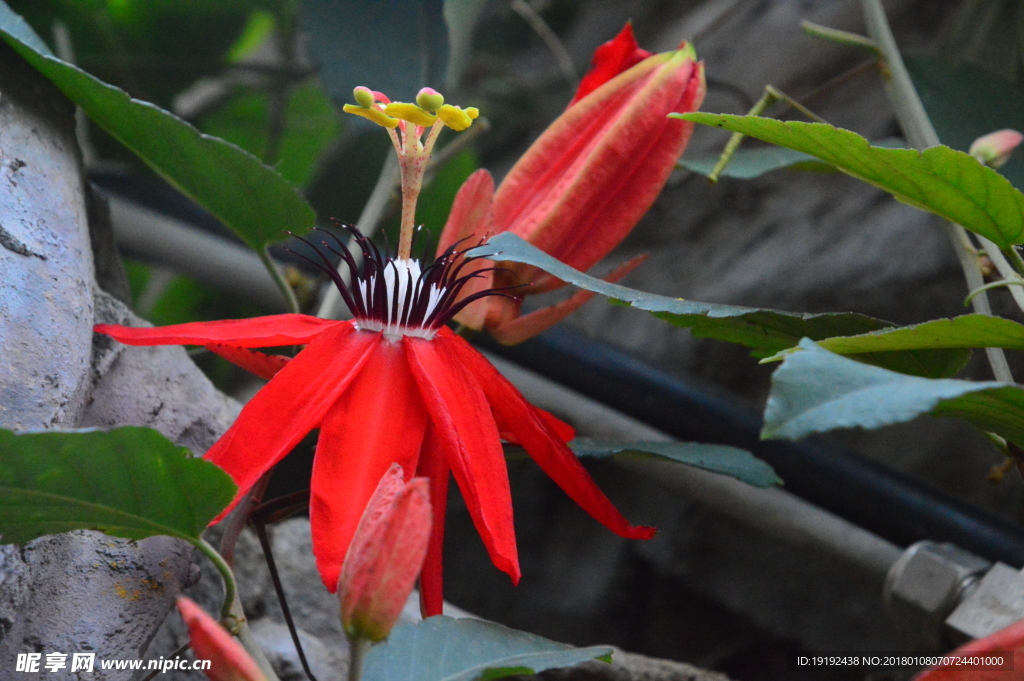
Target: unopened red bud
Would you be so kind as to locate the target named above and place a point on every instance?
(994, 149)
(385, 556)
(228, 659)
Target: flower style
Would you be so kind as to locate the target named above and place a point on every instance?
(579, 190)
(394, 385)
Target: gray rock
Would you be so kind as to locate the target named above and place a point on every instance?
(45, 259)
(326, 663)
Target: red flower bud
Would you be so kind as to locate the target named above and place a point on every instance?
(385, 556)
(228, 659)
(580, 189)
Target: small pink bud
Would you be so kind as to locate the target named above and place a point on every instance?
(363, 96)
(385, 556)
(994, 149)
(228, 659)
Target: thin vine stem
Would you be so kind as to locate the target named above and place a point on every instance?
(282, 284)
(920, 132)
(357, 649)
(230, 585)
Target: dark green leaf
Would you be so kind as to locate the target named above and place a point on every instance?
(250, 198)
(311, 123)
(445, 649)
(968, 331)
(747, 164)
(129, 482)
(732, 461)
(764, 331)
(946, 182)
(816, 390)
(965, 102)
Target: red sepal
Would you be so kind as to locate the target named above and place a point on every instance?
(378, 420)
(258, 332)
(469, 438)
(294, 402)
(434, 466)
(259, 363)
(514, 414)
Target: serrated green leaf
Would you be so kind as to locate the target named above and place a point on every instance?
(747, 164)
(940, 180)
(128, 482)
(250, 198)
(445, 649)
(765, 331)
(732, 461)
(816, 390)
(965, 101)
(968, 331)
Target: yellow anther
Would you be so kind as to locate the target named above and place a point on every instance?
(363, 96)
(455, 118)
(429, 99)
(473, 112)
(411, 113)
(373, 114)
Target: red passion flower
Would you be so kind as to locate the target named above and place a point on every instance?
(393, 385)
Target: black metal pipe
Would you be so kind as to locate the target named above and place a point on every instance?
(888, 503)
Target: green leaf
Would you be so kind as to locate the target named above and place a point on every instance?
(968, 331)
(965, 101)
(311, 123)
(946, 182)
(765, 331)
(129, 482)
(747, 164)
(732, 461)
(250, 198)
(445, 649)
(816, 390)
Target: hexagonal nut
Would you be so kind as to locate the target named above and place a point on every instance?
(931, 577)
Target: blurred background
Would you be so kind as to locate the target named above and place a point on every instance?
(271, 76)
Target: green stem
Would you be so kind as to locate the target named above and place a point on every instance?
(1014, 257)
(767, 99)
(834, 35)
(989, 287)
(921, 134)
(357, 649)
(282, 283)
(230, 586)
(231, 615)
(771, 95)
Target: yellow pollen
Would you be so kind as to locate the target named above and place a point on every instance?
(455, 118)
(411, 113)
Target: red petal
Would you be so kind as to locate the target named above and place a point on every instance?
(465, 427)
(583, 185)
(1009, 642)
(564, 431)
(258, 332)
(611, 59)
(258, 363)
(513, 413)
(434, 466)
(379, 420)
(294, 402)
